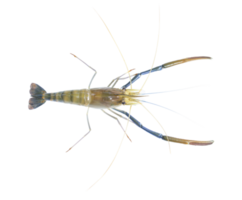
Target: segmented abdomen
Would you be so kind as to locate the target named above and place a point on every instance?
(78, 97)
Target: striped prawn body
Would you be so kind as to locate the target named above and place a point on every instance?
(109, 98)
(95, 98)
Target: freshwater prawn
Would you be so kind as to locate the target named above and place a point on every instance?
(111, 99)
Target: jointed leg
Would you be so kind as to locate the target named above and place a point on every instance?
(112, 115)
(88, 66)
(84, 135)
(116, 80)
(161, 67)
(160, 125)
(161, 136)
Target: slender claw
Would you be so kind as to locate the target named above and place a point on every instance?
(201, 143)
(177, 62)
(73, 55)
(68, 149)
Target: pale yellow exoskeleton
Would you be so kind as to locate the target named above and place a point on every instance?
(109, 98)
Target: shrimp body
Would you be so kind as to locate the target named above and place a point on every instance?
(109, 98)
(99, 98)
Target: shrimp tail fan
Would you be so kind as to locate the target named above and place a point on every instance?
(36, 96)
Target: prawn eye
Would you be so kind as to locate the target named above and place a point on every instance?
(123, 102)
